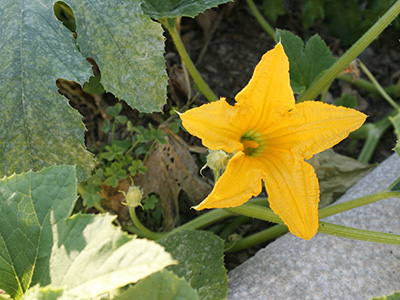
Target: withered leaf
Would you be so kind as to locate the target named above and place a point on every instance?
(170, 169)
(336, 174)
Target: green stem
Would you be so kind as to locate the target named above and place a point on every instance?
(278, 230)
(259, 212)
(204, 220)
(259, 17)
(213, 216)
(367, 85)
(358, 202)
(378, 86)
(257, 238)
(231, 227)
(203, 86)
(373, 133)
(329, 75)
(146, 232)
(359, 234)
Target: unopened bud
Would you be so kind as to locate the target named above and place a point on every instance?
(133, 196)
(217, 160)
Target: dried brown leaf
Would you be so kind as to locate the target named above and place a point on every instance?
(171, 169)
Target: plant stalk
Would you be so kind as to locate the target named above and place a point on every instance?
(203, 86)
(260, 18)
(329, 75)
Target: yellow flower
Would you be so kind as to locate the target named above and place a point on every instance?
(271, 137)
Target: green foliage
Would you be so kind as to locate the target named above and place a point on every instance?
(201, 263)
(152, 207)
(38, 126)
(46, 293)
(306, 61)
(40, 245)
(162, 285)
(273, 9)
(348, 19)
(65, 14)
(121, 159)
(346, 100)
(396, 124)
(394, 296)
(312, 10)
(345, 19)
(132, 65)
(178, 8)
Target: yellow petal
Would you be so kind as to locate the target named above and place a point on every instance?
(240, 181)
(293, 191)
(213, 124)
(313, 127)
(268, 95)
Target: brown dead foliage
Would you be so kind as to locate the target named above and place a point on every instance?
(171, 169)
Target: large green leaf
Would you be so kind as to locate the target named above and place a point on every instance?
(128, 48)
(201, 261)
(306, 62)
(162, 285)
(178, 8)
(84, 254)
(46, 293)
(37, 126)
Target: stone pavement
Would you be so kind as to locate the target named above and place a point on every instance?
(328, 267)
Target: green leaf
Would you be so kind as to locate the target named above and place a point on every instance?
(38, 128)
(46, 293)
(84, 254)
(396, 124)
(200, 256)
(128, 48)
(394, 296)
(114, 110)
(312, 10)
(162, 285)
(346, 100)
(306, 62)
(178, 8)
(29, 205)
(273, 9)
(89, 194)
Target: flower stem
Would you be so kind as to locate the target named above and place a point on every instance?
(329, 75)
(278, 230)
(367, 85)
(146, 232)
(267, 214)
(372, 132)
(259, 17)
(203, 86)
(359, 234)
(378, 86)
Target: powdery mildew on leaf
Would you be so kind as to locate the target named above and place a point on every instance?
(38, 128)
(201, 263)
(128, 48)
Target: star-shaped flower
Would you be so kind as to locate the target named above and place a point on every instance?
(270, 137)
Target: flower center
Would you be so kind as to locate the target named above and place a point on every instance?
(253, 143)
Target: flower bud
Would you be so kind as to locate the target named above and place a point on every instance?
(217, 160)
(133, 197)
